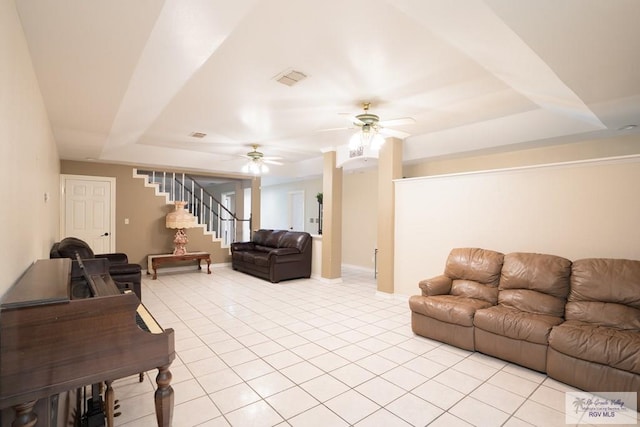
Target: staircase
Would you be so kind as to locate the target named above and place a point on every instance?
(216, 219)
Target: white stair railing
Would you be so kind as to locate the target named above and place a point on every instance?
(206, 208)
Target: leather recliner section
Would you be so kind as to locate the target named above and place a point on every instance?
(448, 303)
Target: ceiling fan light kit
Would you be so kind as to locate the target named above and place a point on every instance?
(368, 135)
(256, 163)
(255, 167)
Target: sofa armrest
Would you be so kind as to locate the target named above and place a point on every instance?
(242, 246)
(439, 285)
(115, 258)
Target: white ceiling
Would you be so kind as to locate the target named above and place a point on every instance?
(129, 81)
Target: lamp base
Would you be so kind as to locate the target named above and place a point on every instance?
(180, 241)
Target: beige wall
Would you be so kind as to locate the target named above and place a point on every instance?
(578, 210)
(589, 149)
(28, 153)
(275, 204)
(146, 232)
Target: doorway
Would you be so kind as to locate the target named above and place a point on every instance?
(227, 222)
(296, 210)
(88, 210)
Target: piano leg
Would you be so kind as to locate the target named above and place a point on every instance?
(164, 397)
(25, 417)
(109, 403)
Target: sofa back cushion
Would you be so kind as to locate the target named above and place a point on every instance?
(605, 292)
(535, 283)
(474, 272)
(295, 239)
(260, 237)
(69, 246)
(273, 239)
(269, 238)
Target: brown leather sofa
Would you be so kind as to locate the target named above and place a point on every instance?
(579, 322)
(274, 255)
(532, 293)
(469, 283)
(121, 271)
(597, 348)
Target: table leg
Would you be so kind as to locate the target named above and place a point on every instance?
(25, 417)
(154, 267)
(208, 265)
(109, 403)
(164, 397)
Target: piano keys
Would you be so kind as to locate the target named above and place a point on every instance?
(51, 342)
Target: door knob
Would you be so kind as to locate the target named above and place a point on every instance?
(105, 234)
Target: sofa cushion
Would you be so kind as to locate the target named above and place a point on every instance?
(606, 280)
(606, 346)
(69, 246)
(532, 302)
(479, 265)
(448, 308)
(516, 324)
(260, 237)
(537, 283)
(604, 314)
(475, 290)
(273, 238)
(255, 257)
(294, 239)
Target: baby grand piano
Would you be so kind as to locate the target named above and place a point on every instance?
(51, 342)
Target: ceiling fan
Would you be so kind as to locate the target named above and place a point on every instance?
(257, 162)
(370, 122)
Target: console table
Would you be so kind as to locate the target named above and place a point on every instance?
(156, 261)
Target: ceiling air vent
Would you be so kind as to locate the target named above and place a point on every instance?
(198, 134)
(290, 77)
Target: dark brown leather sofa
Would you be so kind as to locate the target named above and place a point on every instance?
(120, 270)
(274, 255)
(579, 322)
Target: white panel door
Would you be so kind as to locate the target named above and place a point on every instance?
(88, 211)
(229, 202)
(296, 210)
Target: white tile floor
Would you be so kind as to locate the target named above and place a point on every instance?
(308, 353)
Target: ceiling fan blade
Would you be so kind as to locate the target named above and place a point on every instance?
(271, 158)
(398, 122)
(356, 121)
(333, 129)
(395, 133)
(272, 162)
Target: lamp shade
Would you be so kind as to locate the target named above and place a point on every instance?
(180, 218)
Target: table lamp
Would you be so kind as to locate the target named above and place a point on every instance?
(180, 219)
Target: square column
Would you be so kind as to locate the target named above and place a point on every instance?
(389, 168)
(331, 218)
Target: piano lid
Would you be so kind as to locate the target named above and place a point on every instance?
(45, 282)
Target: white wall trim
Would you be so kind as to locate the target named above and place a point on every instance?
(601, 160)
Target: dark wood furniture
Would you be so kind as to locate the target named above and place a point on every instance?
(52, 343)
(157, 261)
